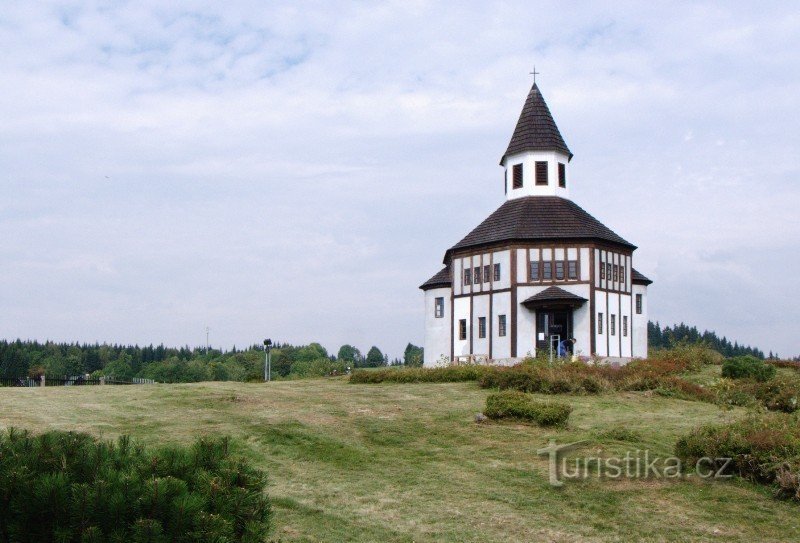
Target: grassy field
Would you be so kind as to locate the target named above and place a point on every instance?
(408, 463)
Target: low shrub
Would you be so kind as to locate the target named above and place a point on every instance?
(748, 367)
(445, 374)
(763, 448)
(519, 405)
(574, 377)
(64, 486)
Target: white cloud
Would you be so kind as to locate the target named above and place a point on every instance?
(298, 170)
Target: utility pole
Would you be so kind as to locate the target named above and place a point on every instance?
(207, 330)
(267, 361)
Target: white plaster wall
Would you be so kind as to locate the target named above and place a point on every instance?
(480, 308)
(613, 309)
(458, 276)
(501, 305)
(529, 186)
(437, 331)
(625, 311)
(584, 264)
(581, 322)
(600, 338)
(461, 311)
(522, 266)
(504, 259)
(526, 321)
(640, 323)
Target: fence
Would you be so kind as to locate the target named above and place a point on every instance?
(70, 380)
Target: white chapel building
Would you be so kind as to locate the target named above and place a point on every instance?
(538, 268)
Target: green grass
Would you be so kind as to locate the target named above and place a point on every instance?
(406, 462)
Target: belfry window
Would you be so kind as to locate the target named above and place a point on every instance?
(517, 175)
(541, 173)
(562, 175)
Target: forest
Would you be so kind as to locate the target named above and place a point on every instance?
(193, 364)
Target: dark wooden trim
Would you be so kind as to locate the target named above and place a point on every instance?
(607, 326)
(619, 309)
(513, 283)
(471, 323)
(482, 293)
(491, 301)
(592, 315)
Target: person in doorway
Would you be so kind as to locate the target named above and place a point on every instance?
(565, 347)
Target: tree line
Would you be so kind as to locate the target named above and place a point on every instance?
(186, 364)
(670, 336)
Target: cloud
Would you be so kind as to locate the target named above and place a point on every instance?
(297, 170)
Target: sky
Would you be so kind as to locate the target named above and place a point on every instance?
(296, 170)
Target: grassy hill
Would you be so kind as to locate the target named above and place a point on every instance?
(408, 463)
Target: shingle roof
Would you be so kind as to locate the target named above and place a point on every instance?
(637, 277)
(554, 295)
(536, 130)
(441, 279)
(538, 218)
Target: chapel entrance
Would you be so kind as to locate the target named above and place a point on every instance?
(552, 325)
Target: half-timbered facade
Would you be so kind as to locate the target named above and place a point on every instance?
(538, 269)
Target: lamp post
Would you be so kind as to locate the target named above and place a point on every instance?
(267, 360)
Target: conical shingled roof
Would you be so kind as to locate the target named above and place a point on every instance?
(536, 130)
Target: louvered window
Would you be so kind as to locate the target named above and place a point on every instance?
(541, 173)
(517, 176)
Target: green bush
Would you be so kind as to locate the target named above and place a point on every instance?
(445, 374)
(763, 448)
(748, 367)
(576, 378)
(70, 487)
(519, 405)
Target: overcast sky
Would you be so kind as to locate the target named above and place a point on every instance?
(297, 170)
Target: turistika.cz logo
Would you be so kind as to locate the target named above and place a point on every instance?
(636, 464)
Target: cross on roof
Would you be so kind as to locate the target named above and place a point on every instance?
(534, 73)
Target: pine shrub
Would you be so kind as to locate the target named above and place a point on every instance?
(764, 448)
(70, 487)
(748, 367)
(445, 374)
(519, 405)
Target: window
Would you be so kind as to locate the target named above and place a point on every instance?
(616, 273)
(517, 173)
(562, 175)
(613, 325)
(572, 269)
(608, 271)
(622, 274)
(477, 275)
(625, 325)
(547, 271)
(497, 272)
(481, 327)
(602, 271)
(541, 173)
(535, 276)
(560, 270)
(506, 183)
(501, 325)
(439, 311)
(486, 274)
(468, 276)
(462, 329)
(638, 304)
(600, 323)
